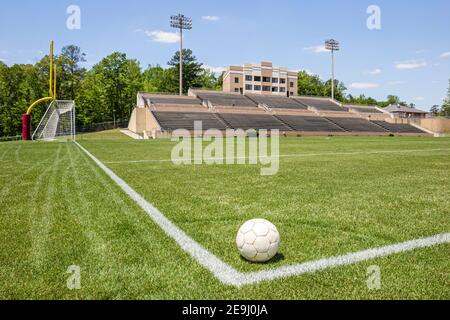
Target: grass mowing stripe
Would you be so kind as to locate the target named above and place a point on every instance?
(228, 275)
(23, 173)
(298, 155)
(222, 271)
(41, 224)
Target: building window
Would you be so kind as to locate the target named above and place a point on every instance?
(236, 80)
(282, 89)
(248, 78)
(274, 80)
(236, 89)
(257, 78)
(291, 93)
(248, 87)
(282, 81)
(257, 88)
(266, 79)
(274, 89)
(266, 88)
(291, 84)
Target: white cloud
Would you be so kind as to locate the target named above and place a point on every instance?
(309, 72)
(214, 69)
(396, 83)
(411, 64)
(316, 49)
(418, 98)
(363, 85)
(211, 18)
(163, 36)
(137, 30)
(445, 54)
(375, 71)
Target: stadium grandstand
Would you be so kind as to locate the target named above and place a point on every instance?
(159, 115)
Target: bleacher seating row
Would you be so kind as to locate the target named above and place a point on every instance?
(220, 99)
(356, 125)
(166, 100)
(364, 109)
(398, 127)
(277, 102)
(227, 99)
(321, 104)
(185, 120)
(310, 124)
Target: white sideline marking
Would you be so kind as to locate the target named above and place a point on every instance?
(221, 270)
(229, 275)
(295, 155)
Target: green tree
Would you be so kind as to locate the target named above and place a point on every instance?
(192, 70)
(312, 85)
(109, 89)
(159, 80)
(445, 110)
(69, 62)
(20, 85)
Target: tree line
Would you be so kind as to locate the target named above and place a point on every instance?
(108, 89)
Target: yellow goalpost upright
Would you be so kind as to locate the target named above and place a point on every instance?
(26, 118)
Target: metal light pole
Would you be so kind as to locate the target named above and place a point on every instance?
(332, 45)
(183, 23)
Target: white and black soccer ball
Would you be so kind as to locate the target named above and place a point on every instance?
(258, 240)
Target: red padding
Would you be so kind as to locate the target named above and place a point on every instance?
(26, 127)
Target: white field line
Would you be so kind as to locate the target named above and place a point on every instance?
(229, 275)
(221, 270)
(295, 155)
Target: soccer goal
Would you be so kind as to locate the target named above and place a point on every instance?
(58, 122)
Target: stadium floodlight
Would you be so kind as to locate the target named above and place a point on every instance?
(333, 46)
(183, 23)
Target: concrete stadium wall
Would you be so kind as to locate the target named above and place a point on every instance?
(168, 134)
(142, 120)
(437, 125)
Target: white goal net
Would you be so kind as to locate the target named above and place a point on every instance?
(58, 122)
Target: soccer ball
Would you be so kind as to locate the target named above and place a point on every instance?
(258, 240)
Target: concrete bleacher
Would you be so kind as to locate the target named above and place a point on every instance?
(277, 102)
(253, 121)
(185, 120)
(155, 99)
(398, 127)
(226, 99)
(161, 114)
(309, 124)
(356, 125)
(363, 109)
(320, 104)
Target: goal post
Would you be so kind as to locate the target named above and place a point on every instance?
(58, 122)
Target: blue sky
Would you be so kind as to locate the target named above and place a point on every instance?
(409, 56)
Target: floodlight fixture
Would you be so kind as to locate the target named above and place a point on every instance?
(181, 22)
(333, 46)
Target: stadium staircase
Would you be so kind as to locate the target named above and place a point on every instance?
(336, 124)
(283, 122)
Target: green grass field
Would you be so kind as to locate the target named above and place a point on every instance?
(331, 196)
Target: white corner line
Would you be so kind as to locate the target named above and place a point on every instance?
(229, 275)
